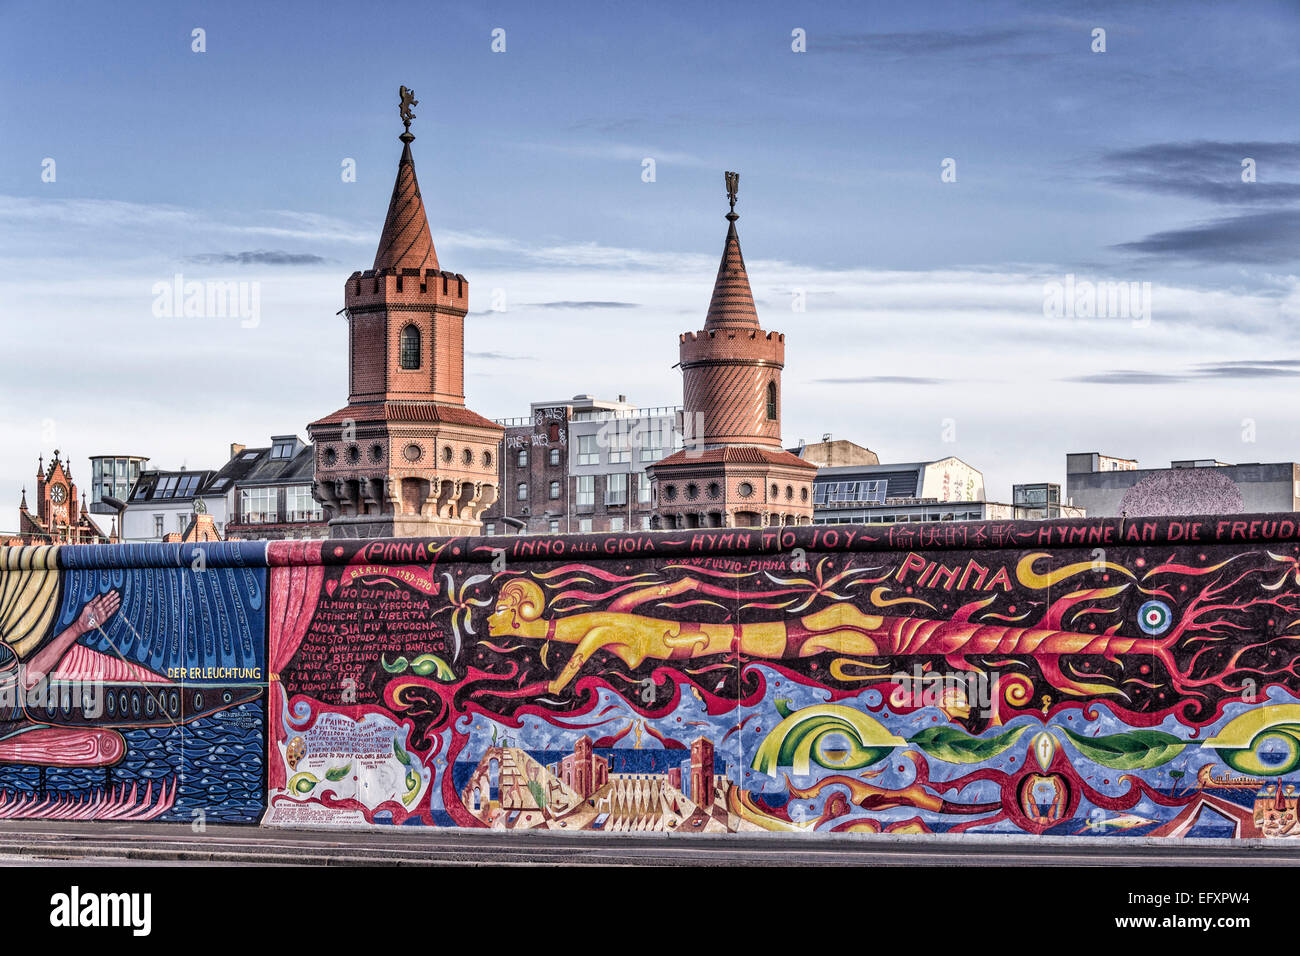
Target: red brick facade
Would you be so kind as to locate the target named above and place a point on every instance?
(535, 455)
(733, 471)
(60, 517)
(405, 457)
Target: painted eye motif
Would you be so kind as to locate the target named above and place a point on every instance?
(1154, 617)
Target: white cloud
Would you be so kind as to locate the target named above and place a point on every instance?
(84, 349)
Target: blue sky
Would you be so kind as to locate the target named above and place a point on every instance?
(924, 318)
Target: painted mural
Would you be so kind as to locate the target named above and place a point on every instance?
(1069, 678)
(132, 683)
(1080, 678)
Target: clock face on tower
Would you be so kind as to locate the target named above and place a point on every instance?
(58, 494)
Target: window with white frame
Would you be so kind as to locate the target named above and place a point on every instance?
(523, 491)
(620, 450)
(616, 524)
(523, 457)
(300, 504)
(490, 528)
(258, 505)
(555, 490)
(645, 522)
(555, 525)
(586, 490)
(588, 453)
(642, 489)
(616, 489)
(584, 525)
(158, 531)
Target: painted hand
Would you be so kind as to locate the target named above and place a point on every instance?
(96, 614)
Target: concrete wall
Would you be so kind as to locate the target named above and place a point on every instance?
(1075, 677)
(133, 682)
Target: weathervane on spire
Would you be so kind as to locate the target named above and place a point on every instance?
(408, 100)
(733, 186)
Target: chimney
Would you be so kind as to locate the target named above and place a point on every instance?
(236, 449)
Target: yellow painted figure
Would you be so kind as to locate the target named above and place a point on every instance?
(840, 628)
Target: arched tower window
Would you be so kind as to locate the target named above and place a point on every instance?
(771, 401)
(411, 348)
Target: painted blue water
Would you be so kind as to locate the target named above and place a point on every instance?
(218, 760)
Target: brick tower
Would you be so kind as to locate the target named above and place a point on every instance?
(405, 457)
(733, 471)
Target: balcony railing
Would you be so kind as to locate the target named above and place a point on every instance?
(663, 411)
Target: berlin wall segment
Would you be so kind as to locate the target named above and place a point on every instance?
(1075, 677)
(133, 682)
(1063, 678)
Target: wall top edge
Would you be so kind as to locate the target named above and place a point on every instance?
(1062, 533)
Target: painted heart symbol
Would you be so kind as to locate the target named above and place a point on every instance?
(330, 586)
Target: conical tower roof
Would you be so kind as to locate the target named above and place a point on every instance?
(732, 304)
(405, 242)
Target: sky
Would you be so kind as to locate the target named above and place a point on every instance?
(926, 190)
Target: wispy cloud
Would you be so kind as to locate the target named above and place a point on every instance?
(583, 305)
(498, 357)
(1128, 377)
(1244, 369)
(1210, 170)
(623, 153)
(152, 220)
(264, 257)
(1263, 238)
(882, 380)
(920, 43)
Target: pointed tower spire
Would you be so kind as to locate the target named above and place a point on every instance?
(431, 466)
(732, 304)
(731, 398)
(23, 505)
(405, 242)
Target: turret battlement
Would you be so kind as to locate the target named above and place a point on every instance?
(732, 346)
(731, 334)
(433, 287)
